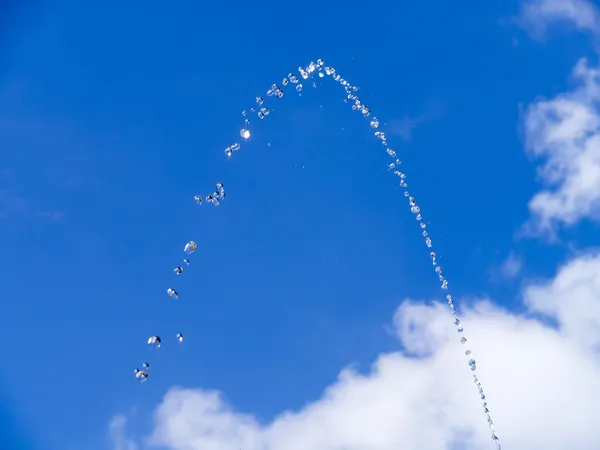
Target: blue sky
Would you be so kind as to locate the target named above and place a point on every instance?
(112, 117)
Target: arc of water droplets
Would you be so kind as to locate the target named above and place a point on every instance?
(319, 68)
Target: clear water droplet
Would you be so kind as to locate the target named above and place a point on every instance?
(244, 133)
(190, 247)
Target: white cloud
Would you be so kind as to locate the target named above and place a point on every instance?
(543, 385)
(565, 132)
(117, 436)
(511, 267)
(537, 15)
(573, 297)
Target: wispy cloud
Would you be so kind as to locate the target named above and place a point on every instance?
(509, 269)
(405, 126)
(53, 215)
(117, 436)
(537, 15)
(12, 205)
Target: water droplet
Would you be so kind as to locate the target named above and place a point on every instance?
(190, 247)
(244, 133)
(141, 375)
(198, 199)
(415, 210)
(299, 87)
(463, 340)
(374, 122)
(154, 341)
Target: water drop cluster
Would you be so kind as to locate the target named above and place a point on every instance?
(218, 195)
(189, 248)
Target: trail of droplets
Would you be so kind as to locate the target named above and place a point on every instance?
(319, 68)
(190, 247)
